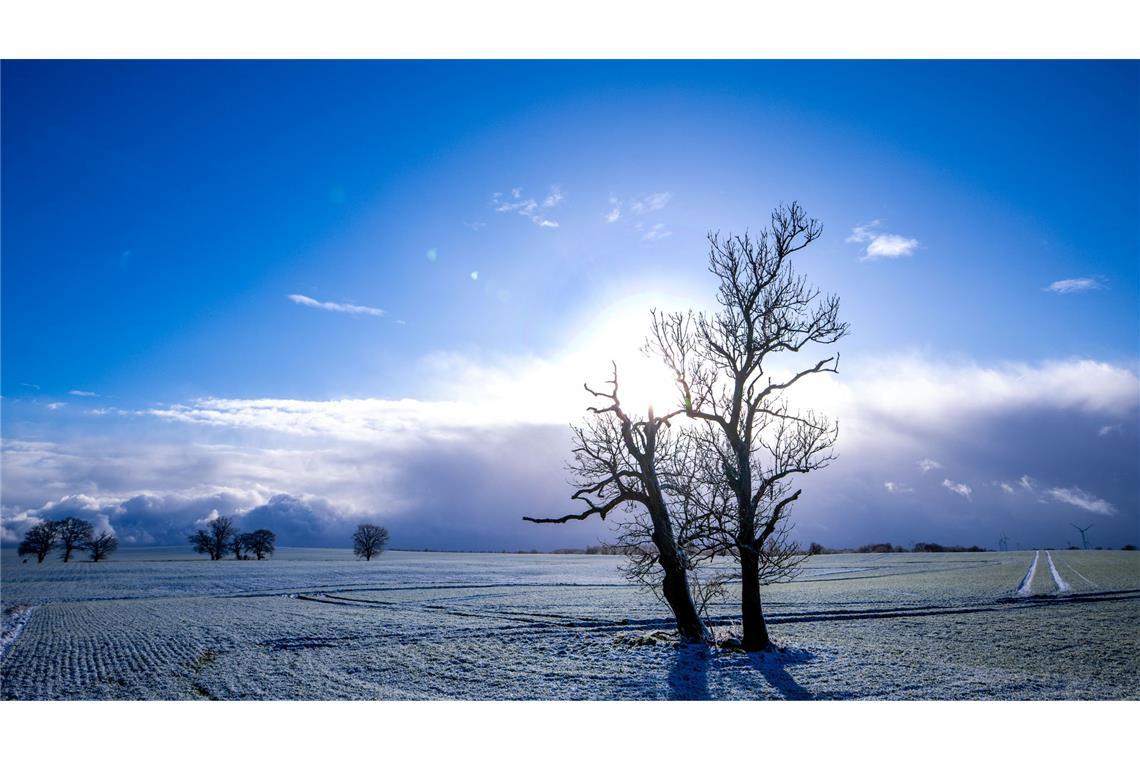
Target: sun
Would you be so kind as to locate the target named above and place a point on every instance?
(617, 335)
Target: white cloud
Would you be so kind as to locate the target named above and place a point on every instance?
(474, 226)
(1026, 483)
(474, 275)
(651, 202)
(1007, 488)
(1083, 499)
(959, 488)
(529, 207)
(881, 245)
(1108, 429)
(928, 464)
(615, 210)
(656, 232)
(82, 393)
(934, 398)
(1076, 285)
(893, 487)
(343, 308)
(55, 405)
(553, 198)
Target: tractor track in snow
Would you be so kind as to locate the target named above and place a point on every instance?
(1062, 586)
(1024, 588)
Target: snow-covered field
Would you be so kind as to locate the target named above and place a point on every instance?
(316, 624)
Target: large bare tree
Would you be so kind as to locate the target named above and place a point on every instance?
(216, 540)
(73, 534)
(620, 459)
(722, 364)
(369, 540)
(40, 539)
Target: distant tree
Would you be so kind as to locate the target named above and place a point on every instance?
(815, 548)
(369, 540)
(73, 534)
(261, 542)
(101, 545)
(1128, 547)
(239, 545)
(216, 539)
(40, 539)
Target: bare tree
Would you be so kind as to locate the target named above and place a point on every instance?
(216, 539)
(73, 534)
(239, 545)
(40, 539)
(620, 460)
(721, 364)
(261, 542)
(100, 546)
(369, 540)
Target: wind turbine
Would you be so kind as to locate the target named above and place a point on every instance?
(1084, 540)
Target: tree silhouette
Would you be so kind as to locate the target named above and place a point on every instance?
(215, 539)
(40, 539)
(73, 534)
(261, 542)
(369, 540)
(722, 364)
(622, 460)
(101, 545)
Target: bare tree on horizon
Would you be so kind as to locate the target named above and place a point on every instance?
(73, 534)
(100, 546)
(215, 540)
(39, 540)
(369, 540)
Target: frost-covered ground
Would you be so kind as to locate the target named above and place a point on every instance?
(315, 624)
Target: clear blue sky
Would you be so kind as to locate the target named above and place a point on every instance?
(158, 215)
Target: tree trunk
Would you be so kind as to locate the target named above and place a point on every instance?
(675, 585)
(755, 630)
(675, 589)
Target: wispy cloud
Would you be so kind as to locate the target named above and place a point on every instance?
(82, 393)
(343, 308)
(614, 213)
(642, 205)
(1082, 499)
(878, 244)
(651, 202)
(928, 464)
(529, 207)
(961, 489)
(893, 487)
(474, 226)
(56, 405)
(656, 232)
(1109, 429)
(1075, 285)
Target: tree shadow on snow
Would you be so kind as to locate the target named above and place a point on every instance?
(689, 672)
(772, 665)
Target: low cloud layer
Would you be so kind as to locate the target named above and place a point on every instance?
(927, 451)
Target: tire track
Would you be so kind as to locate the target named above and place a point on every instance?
(1027, 581)
(1062, 587)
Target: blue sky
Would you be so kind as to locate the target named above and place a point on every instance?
(513, 221)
